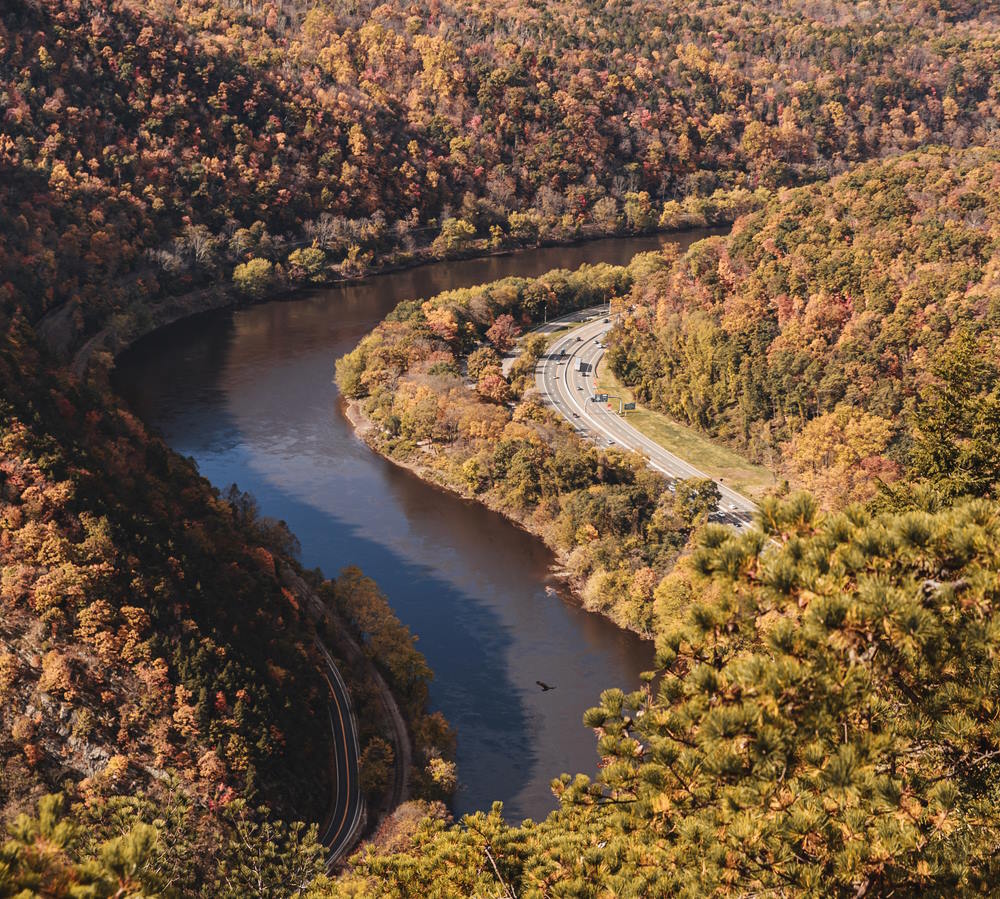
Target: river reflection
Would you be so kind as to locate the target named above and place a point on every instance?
(249, 396)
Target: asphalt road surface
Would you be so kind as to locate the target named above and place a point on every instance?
(571, 393)
(339, 834)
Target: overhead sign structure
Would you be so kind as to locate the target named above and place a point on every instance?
(600, 398)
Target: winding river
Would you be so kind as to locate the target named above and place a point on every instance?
(249, 395)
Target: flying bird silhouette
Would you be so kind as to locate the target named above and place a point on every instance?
(545, 687)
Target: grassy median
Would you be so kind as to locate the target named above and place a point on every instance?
(715, 460)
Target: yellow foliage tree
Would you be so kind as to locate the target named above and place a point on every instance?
(838, 455)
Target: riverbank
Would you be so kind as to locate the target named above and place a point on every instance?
(366, 430)
(693, 213)
(220, 298)
(248, 397)
(113, 339)
(429, 394)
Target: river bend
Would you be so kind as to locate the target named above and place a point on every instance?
(249, 395)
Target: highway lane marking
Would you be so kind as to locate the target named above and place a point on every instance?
(565, 372)
(335, 851)
(333, 730)
(744, 506)
(347, 764)
(358, 809)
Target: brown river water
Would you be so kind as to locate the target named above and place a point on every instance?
(249, 395)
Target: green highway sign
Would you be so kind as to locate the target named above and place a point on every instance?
(629, 406)
(600, 397)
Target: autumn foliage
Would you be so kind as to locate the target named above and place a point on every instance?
(810, 335)
(128, 643)
(156, 660)
(440, 402)
(150, 150)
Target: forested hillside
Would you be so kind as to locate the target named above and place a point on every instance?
(824, 719)
(158, 664)
(815, 336)
(825, 726)
(154, 148)
(147, 644)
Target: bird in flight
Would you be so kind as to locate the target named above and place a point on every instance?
(545, 687)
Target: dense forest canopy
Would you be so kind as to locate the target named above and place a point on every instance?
(154, 148)
(814, 334)
(822, 720)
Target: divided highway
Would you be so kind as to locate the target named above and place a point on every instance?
(348, 810)
(571, 391)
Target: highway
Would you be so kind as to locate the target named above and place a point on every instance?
(348, 811)
(571, 393)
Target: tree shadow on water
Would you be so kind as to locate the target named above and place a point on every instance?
(179, 380)
(465, 643)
